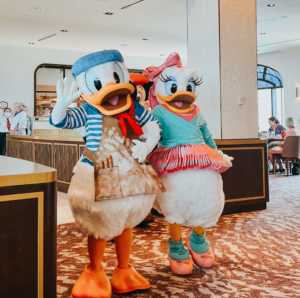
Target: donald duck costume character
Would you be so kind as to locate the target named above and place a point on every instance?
(110, 192)
(188, 163)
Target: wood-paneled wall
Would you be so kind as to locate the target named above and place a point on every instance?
(59, 154)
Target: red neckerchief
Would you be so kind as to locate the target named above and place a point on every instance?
(136, 128)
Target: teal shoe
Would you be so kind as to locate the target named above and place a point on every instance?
(198, 244)
(177, 251)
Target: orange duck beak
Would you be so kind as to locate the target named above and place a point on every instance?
(180, 102)
(112, 99)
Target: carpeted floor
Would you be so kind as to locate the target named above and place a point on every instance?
(258, 253)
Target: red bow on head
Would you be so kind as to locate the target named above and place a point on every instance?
(136, 128)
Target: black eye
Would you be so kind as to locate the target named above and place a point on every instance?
(174, 88)
(97, 84)
(189, 88)
(117, 78)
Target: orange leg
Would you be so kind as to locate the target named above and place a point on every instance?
(175, 232)
(199, 230)
(123, 245)
(96, 249)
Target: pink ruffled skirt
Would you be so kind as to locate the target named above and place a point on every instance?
(186, 157)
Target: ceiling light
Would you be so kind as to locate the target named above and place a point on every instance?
(145, 39)
(271, 44)
(271, 5)
(47, 37)
(31, 43)
(63, 30)
(135, 3)
(40, 9)
(108, 13)
(271, 20)
(262, 33)
(124, 45)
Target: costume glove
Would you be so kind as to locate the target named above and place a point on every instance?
(152, 135)
(228, 159)
(66, 94)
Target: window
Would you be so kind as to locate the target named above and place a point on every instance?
(270, 95)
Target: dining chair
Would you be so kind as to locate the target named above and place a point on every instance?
(291, 151)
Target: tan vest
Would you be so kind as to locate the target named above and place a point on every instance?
(117, 173)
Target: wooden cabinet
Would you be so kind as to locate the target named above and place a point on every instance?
(246, 184)
(28, 224)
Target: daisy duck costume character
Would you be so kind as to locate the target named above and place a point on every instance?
(188, 163)
(110, 192)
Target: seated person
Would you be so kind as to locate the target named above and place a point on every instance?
(293, 131)
(275, 127)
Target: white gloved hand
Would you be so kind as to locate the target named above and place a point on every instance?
(139, 151)
(151, 132)
(66, 94)
(228, 159)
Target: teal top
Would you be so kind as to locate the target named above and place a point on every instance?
(177, 131)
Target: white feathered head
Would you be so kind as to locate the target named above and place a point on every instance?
(175, 86)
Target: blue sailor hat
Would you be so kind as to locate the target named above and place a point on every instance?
(86, 62)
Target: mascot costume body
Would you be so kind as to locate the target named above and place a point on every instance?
(188, 163)
(110, 191)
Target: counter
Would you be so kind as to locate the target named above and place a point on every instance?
(59, 151)
(28, 225)
(245, 184)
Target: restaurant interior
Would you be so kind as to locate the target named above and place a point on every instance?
(247, 55)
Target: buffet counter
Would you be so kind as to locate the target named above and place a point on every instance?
(28, 225)
(45, 147)
(245, 184)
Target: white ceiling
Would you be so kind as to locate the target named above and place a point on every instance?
(162, 22)
(283, 34)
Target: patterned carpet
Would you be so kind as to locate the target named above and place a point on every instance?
(258, 253)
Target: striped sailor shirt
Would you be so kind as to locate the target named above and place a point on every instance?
(88, 116)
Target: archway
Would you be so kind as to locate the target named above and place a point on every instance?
(270, 95)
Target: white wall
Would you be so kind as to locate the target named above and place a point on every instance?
(287, 63)
(17, 66)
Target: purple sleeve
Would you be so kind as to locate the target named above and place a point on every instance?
(279, 129)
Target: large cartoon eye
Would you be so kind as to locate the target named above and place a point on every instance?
(118, 73)
(138, 97)
(117, 78)
(171, 87)
(191, 87)
(92, 82)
